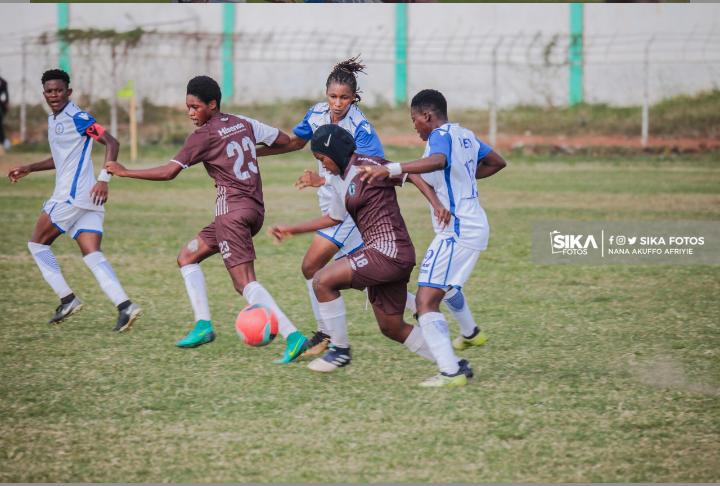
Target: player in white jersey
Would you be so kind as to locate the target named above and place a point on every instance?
(344, 238)
(454, 158)
(76, 205)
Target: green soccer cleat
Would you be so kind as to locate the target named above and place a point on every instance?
(202, 334)
(296, 345)
(461, 343)
(443, 380)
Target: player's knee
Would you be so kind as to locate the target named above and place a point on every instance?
(184, 258)
(390, 331)
(321, 282)
(309, 269)
(188, 253)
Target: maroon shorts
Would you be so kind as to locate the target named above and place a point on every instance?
(385, 278)
(231, 235)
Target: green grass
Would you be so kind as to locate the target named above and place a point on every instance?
(592, 374)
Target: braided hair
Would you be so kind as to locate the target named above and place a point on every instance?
(344, 73)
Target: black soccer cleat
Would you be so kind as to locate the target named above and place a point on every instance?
(316, 346)
(126, 317)
(64, 311)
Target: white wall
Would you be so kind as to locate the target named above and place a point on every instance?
(449, 49)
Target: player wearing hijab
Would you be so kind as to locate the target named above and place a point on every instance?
(342, 239)
(383, 265)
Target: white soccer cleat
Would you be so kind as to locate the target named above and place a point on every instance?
(333, 359)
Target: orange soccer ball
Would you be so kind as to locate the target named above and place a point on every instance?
(257, 325)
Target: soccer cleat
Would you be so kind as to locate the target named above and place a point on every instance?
(333, 359)
(64, 311)
(296, 345)
(202, 334)
(126, 317)
(461, 343)
(465, 368)
(443, 380)
(317, 345)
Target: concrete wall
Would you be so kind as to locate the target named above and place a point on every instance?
(286, 51)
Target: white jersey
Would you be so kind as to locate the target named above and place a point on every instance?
(69, 135)
(456, 186)
(366, 139)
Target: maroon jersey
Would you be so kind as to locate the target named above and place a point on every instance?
(226, 146)
(374, 208)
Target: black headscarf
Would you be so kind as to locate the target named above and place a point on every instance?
(335, 142)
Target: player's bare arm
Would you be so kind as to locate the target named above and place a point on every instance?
(17, 173)
(442, 214)
(281, 231)
(165, 172)
(282, 146)
(427, 164)
(489, 165)
(99, 192)
(310, 178)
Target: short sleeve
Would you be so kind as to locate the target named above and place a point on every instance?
(483, 150)
(194, 150)
(367, 140)
(337, 209)
(83, 121)
(303, 129)
(263, 133)
(439, 143)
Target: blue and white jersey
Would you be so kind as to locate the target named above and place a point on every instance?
(366, 139)
(456, 186)
(71, 146)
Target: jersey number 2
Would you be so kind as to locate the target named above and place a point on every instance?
(236, 148)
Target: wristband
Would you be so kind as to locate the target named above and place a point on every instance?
(104, 176)
(395, 169)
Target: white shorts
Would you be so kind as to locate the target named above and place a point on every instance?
(73, 220)
(446, 264)
(345, 235)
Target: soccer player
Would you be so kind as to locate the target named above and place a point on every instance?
(383, 265)
(454, 158)
(225, 144)
(341, 239)
(76, 205)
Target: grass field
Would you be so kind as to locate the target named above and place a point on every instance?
(600, 374)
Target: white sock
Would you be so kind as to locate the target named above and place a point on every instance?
(256, 294)
(314, 305)
(195, 286)
(333, 315)
(410, 303)
(106, 277)
(436, 334)
(415, 342)
(45, 260)
(455, 300)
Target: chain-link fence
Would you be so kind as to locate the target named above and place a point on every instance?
(475, 70)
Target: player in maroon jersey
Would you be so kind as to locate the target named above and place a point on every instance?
(383, 265)
(225, 144)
